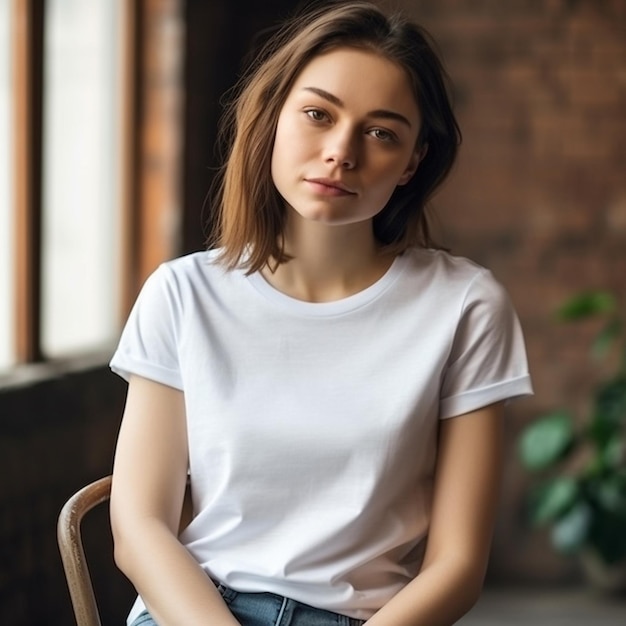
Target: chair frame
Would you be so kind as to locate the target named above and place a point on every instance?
(71, 545)
(72, 551)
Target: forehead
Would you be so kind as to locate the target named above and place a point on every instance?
(361, 77)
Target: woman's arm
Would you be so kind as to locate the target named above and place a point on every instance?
(147, 494)
(465, 495)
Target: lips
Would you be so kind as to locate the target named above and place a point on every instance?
(332, 185)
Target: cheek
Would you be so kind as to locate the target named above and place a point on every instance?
(284, 153)
(292, 149)
(388, 174)
(294, 133)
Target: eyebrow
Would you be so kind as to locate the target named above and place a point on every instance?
(382, 113)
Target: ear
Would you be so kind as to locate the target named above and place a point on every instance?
(416, 159)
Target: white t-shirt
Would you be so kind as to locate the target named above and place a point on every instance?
(312, 426)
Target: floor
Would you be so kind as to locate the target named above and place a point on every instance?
(523, 607)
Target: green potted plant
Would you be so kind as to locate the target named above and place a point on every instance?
(580, 492)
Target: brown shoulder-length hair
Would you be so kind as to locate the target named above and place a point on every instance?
(250, 212)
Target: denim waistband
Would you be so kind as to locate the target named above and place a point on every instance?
(270, 609)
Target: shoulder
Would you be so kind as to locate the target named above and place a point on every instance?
(457, 294)
(190, 265)
(452, 278)
(443, 263)
(184, 282)
(196, 268)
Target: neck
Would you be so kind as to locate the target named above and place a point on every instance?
(329, 262)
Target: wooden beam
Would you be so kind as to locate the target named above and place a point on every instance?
(131, 17)
(161, 133)
(27, 43)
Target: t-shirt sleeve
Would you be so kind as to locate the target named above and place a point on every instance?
(148, 345)
(487, 361)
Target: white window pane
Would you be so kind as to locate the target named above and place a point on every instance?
(7, 299)
(81, 244)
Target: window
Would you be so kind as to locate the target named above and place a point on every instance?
(90, 101)
(81, 175)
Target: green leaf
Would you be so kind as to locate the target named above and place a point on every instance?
(610, 400)
(552, 498)
(546, 440)
(606, 338)
(614, 453)
(601, 431)
(587, 304)
(611, 495)
(570, 532)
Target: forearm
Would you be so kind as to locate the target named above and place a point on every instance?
(439, 596)
(173, 586)
(469, 462)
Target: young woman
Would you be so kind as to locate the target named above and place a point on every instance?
(331, 382)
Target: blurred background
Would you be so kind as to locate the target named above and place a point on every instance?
(109, 111)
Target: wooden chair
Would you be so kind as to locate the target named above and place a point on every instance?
(73, 553)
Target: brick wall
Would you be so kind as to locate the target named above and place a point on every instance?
(539, 194)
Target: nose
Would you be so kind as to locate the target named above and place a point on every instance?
(341, 148)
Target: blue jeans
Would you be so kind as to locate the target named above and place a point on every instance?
(268, 609)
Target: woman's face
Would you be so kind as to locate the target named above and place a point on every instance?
(346, 137)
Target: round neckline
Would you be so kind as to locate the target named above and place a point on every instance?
(334, 307)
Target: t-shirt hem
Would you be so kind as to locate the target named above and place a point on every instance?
(477, 398)
(136, 611)
(127, 367)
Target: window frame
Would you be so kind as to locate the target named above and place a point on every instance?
(27, 28)
(150, 154)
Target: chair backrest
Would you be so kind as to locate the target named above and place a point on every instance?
(72, 552)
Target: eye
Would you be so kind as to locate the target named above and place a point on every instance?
(383, 135)
(316, 115)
